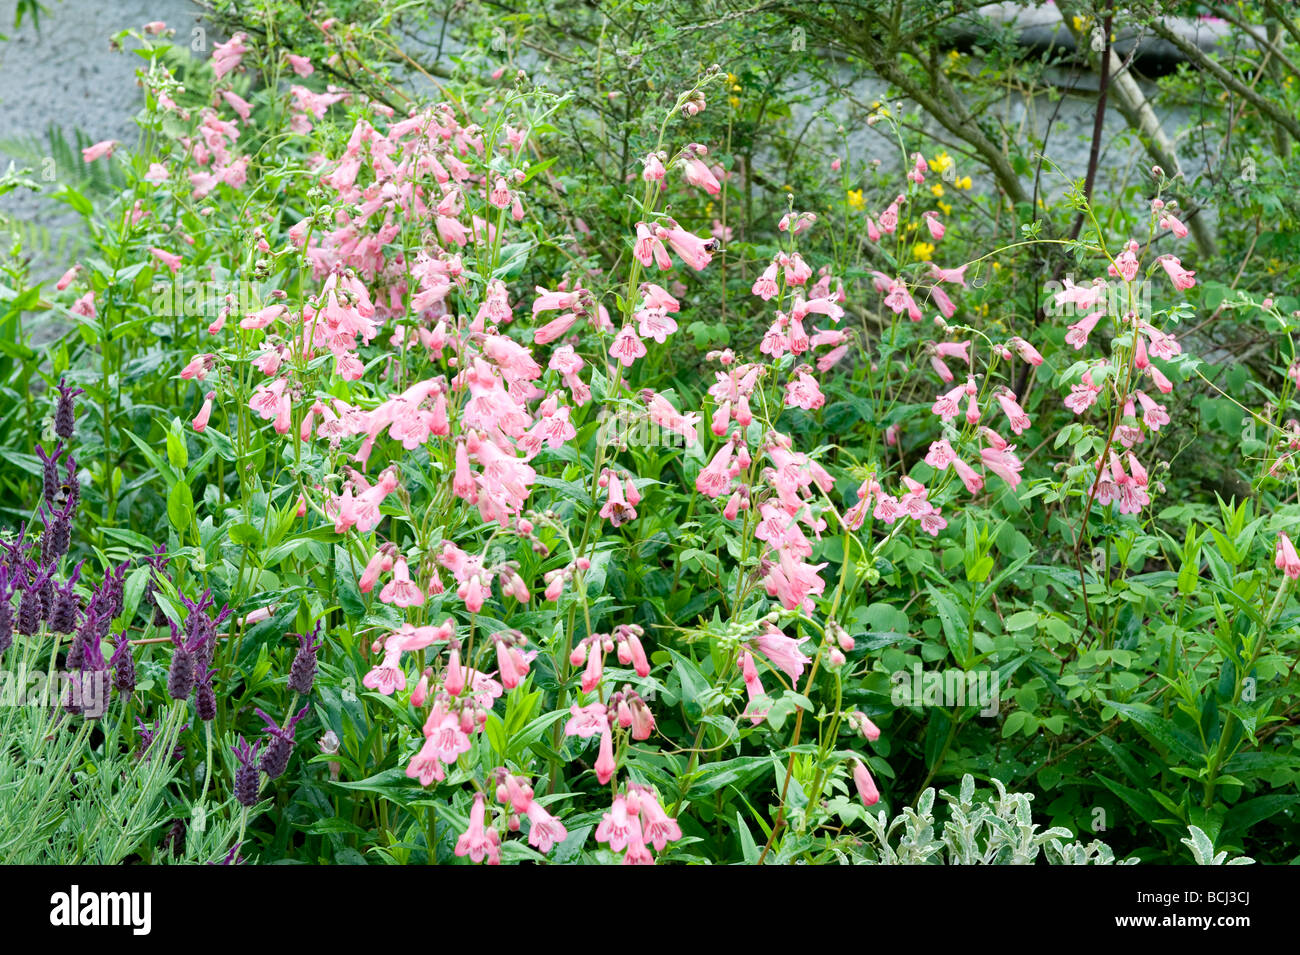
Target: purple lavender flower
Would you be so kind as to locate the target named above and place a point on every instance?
(205, 698)
(247, 782)
(302, 674)
(49, 471)
(123, 664)
(31, 609)
(6, 610)
(201, 630)
(180, 677)
(58, 533)
(114, 590)
(200, 634)
(232, 857)
(275, 758)
(147, 735)
(76, 652)
(65, 413)
(63, 614)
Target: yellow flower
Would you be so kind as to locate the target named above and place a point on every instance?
(922, 251)
(856, 201)
(732, 78)
(940, 162)
(963, 182)
(944, 208)
(937, 189)
(734, 101)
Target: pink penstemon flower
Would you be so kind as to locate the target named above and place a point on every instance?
(1019, 421)
(1078, 332)
(627, 346)
(401, 591)
(200, 422)
(227, 56)
(865, 785)
(649, 248)
(99, 150)
(1286, 559)
(479, 842)
(1181, 278)
(545, 829)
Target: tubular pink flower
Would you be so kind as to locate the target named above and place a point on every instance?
(200, 422)
(865, 785)
(765, 286)
(478, 842)
(627, 346)
(690, 248)
(783, 651)
(605, 766)
(1078, 332)
(1286, 559)
(1181, 278)
(99, 150)
(401, 591)
(1015, 414)
(544, 830)
(649, 249)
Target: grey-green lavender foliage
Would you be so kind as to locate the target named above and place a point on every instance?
(72, 791)
(986, 828)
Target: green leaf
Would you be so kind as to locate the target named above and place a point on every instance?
(1248, 812)
(1158, 729)
(1023, 620)
(246, 535)
(728, 772)
(180, 506)
(694, 684)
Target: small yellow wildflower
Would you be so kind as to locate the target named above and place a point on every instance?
(937, 189)
(856, 200)
(940, 162)
(944, 208)
(734, 101)
(922, 251)
(963, 183)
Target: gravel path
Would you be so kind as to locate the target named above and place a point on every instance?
(65, 74)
